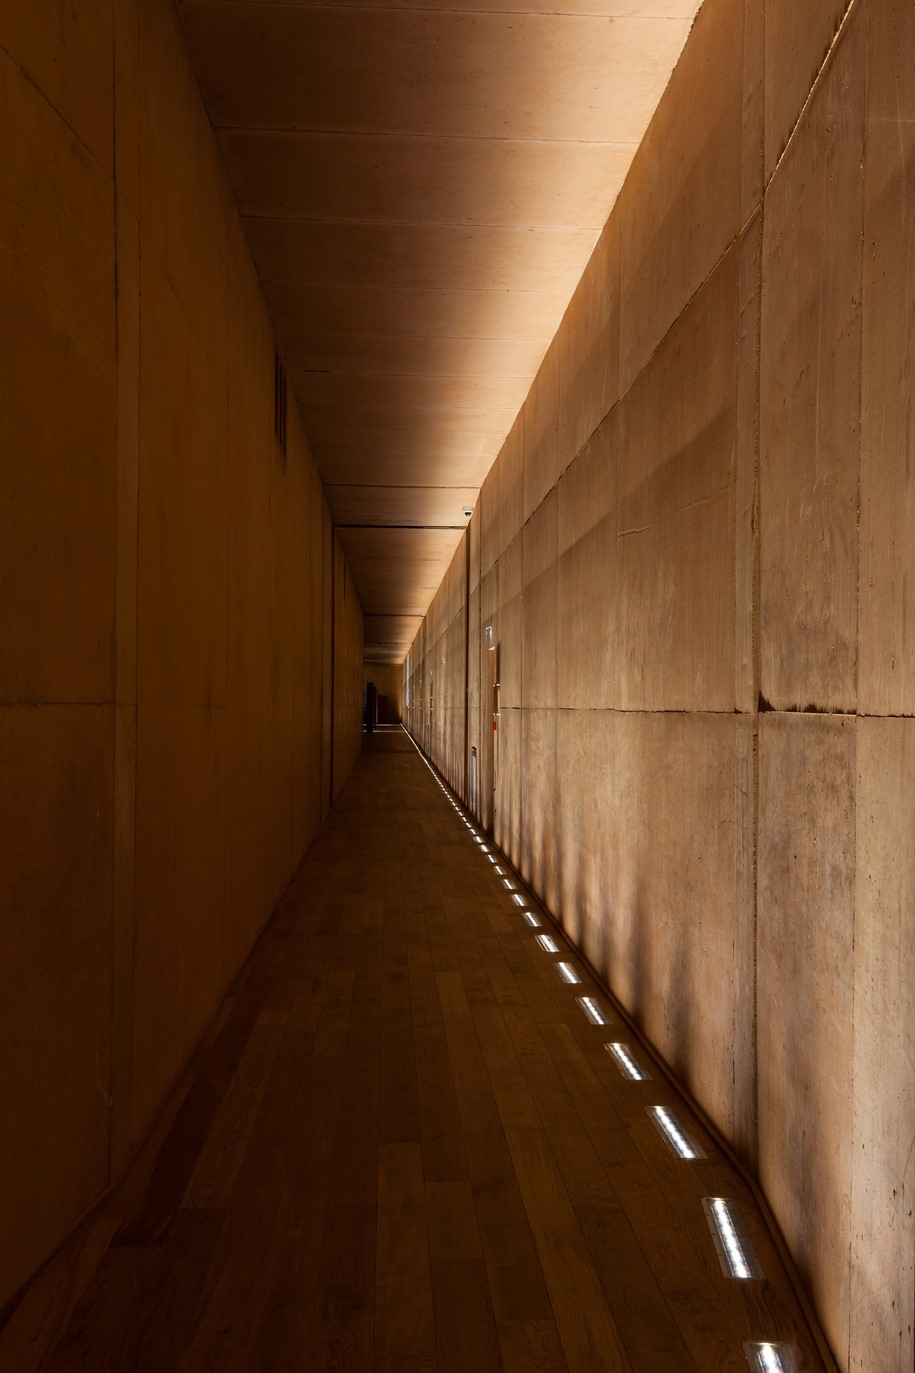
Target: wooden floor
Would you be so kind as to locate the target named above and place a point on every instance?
(404, 1149)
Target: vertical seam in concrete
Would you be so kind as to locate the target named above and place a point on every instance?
(295, 657)
(851, 1191)
(136, 647)
(465, 789)
(225, 738)
(756, 643)
(857, 677)
(269, 670)
(855, 726)
(333, 651)
(114, 654)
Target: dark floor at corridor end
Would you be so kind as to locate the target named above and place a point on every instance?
(404, 1147)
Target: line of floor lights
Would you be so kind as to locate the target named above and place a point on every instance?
(729, 1233)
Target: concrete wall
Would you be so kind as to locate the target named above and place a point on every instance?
(694, 552)
(167, 603)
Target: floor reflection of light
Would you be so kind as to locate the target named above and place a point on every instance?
(770, 1358)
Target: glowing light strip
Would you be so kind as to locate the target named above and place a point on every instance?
(769, 1358)
(678, 1140)
(547, 943)
(593, 1011)
(508, 884)
(567, 972)
(627, 1063)
(531, 919)
(519, 899)
(735, 1252)
(500, 871)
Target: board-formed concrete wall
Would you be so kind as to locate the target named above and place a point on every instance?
(167, 605)
(694, 553)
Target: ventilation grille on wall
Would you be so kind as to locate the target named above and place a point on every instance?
(279, 402)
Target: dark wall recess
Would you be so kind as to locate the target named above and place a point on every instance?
(279, 402)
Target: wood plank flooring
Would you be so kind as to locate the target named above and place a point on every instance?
(403, 1148)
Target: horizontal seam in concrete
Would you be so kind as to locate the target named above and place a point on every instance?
(464, 225)
(64, 705)
(453, 9)
(407, 376)
(421, 136)
(691, 710)
(27, 75)
(456, 291)
(817, 80)
(428, 223)
(380, 524)
(393, 338)
(395, 486)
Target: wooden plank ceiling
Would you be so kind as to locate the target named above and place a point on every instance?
(422, 186)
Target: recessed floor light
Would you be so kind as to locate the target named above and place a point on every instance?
(567, 972)
(547, 943)
(678, 1140)
(508, 884)
(735, 1252)
(627, 1062)
(518, 899)
(491, 858)
(499, 870)
(531, 919)
(769, 1358)
(484, 849)
(593, 1011)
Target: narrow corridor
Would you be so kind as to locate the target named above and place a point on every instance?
(404, 1147)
